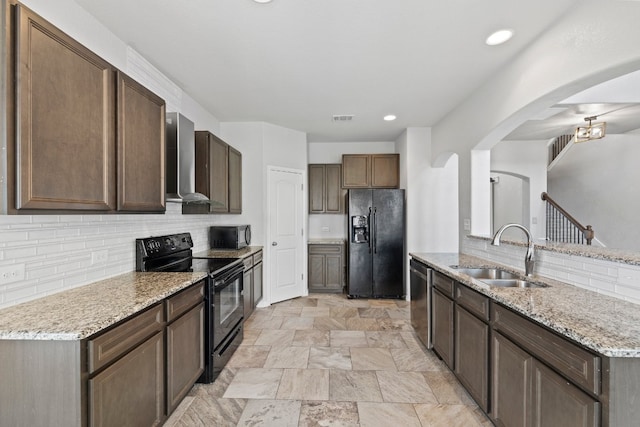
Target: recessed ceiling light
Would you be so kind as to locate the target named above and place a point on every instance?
(389, 117)
(499, 37)
(262, 1)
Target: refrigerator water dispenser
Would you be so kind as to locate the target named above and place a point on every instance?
(359, 226)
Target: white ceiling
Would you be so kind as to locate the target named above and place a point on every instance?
(616, 102)
(295, 63)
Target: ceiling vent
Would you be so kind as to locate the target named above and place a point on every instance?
(342, 117)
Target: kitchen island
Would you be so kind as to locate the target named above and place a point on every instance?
(550, 351)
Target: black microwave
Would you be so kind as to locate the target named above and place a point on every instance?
(229, 236)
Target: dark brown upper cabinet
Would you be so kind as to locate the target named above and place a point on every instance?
(141, 140)
(235, 181)
(87, 137)
(218, 173)
(65, 113)
(371, 170)
(325, 191)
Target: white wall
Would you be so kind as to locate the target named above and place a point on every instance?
(249, 139)
(596, 183)
(527, 159)
(331, 152)
(284, 147)
(558, 64)
(508, 192)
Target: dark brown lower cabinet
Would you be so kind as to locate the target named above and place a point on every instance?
(326, 267)
(528, 393)
(523, 374)
(185, 355)
(257, 279)
(510, 383)
(247, 287)
(131, 391)
(472, 355)
(556, 402)
(442, 331)
(252, 282)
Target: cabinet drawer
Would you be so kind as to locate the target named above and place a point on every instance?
(112, 344)
(325, 249)
(443, 283)
(248, 263)
(184, 300)
(473, 301)
(575, 363)
(257, 257)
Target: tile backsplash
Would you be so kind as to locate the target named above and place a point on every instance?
(65, 251)
(611, 278)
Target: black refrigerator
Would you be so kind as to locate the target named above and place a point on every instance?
(375, 263)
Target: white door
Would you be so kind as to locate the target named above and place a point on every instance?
(286, 234)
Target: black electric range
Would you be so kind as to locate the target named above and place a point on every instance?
(223, 293)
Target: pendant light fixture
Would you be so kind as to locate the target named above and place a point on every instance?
(591, 131)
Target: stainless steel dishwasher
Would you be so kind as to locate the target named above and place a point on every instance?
(420, 282)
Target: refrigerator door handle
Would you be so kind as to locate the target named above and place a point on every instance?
(370, 230)
(374, 229)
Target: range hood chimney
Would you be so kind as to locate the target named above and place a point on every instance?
(180, 156)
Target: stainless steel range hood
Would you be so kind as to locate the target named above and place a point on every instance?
(180, 172)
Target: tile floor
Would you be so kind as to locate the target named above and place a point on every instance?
(325, 360)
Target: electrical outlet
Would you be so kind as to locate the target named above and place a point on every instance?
(325, 229)
(467, 224)
(11, 273)
(99, 257)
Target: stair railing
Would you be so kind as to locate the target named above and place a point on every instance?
(558, 145)
(562, 227)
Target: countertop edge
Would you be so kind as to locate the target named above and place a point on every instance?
(229, 253)
(28, 321)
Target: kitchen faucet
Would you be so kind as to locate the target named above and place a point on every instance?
(529, 260)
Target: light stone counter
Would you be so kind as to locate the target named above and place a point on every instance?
(326, 241)
(81, 312)
(228, 253)
(604, 324)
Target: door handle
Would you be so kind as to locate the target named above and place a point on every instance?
(274, 243)
(369, 230)
(375, 232)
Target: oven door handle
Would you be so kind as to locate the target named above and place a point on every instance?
(228, 278)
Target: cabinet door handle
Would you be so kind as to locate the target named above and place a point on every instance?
(274, 243)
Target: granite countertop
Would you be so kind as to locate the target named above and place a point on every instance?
(604, 324)
(228, 253)
(334, 241)
(81, 312)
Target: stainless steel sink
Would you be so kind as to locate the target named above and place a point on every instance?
(512, 283)
(487, 273)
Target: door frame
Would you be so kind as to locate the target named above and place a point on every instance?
(266, 274)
